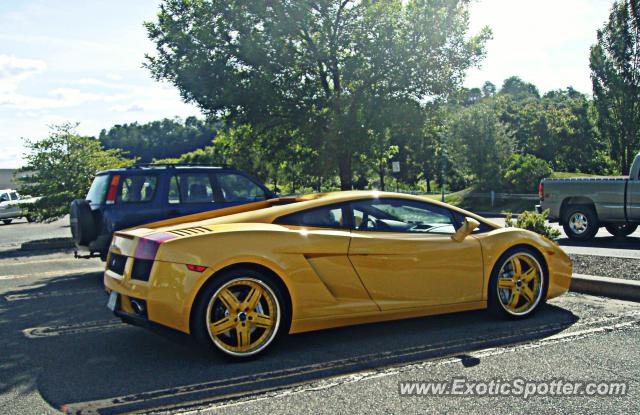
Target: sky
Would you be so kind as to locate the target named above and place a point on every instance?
(81, 61)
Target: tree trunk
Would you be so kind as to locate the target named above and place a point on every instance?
(381, 173)
(427, 178)
(344, 168)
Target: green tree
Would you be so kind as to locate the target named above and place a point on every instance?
(523, 173)
(313, 68)
(61, 168)
(615, 75)
(167, 138)
(479, 144)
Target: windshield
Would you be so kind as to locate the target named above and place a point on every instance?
(98, 190)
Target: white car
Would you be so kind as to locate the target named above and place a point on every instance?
(12, 206)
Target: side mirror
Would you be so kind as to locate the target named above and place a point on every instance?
(465, 230)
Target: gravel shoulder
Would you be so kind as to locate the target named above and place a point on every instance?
(603, 266)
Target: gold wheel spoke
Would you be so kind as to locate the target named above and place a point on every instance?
(527, 294)
(517, 266)
(529, 275)
(252, 298)
(223, 325)
(262, 320)
(505, 283)
(513, 302)
(229, 300)
(243, 334)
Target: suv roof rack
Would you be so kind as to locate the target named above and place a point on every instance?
(174, 165)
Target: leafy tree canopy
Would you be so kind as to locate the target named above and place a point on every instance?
(313, 68)
(61, 168)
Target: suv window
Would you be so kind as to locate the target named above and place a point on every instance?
(4, 197)
(191, 188)
(14, 196)
(333, 216)
(399, 215)
(237, 188)
(139, 188)
(98, 190)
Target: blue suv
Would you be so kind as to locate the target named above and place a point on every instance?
(132, 196)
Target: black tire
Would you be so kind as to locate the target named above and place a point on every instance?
(621, 230)
(29, 218)
(83, 224)
(580, 222)
(495, 305)
(199, 327)
(6, 221)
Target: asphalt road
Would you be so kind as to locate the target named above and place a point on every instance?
(19, 231)
(61, 348)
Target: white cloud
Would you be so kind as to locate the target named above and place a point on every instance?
(14, 70)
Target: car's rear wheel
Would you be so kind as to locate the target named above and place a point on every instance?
(241, 313)
(518, 283)
(621, 230)
(580, 222)
(6, 221)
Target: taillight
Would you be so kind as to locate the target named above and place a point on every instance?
(113, 189)
(196, 268)
(148, 246)
(541, 191)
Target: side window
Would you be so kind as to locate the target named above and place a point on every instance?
(400, 215)
(14, 196)
(334, 216)
(174, 190)
(138, 188)
(191, 188)
(237, 188)
(4, 197)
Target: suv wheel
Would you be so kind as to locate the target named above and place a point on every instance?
(580, 222)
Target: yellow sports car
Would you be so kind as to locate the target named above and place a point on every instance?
(236, 278)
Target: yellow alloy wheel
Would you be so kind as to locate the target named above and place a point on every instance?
(520, 284)
(243, 317)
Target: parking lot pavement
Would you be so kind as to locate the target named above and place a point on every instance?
(63, 349)
(603, 244)
(20, 231)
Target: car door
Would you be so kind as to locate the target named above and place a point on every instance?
(633, 196)
(321, 260)
(137, 200)
(191, 192)
(404, 254)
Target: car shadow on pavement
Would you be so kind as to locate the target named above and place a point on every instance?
(59, 337)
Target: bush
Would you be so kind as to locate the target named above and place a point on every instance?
(535, 222)
(524, 172)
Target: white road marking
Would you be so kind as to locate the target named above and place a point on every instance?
(86, 327)
(60, 273)
(39, 295)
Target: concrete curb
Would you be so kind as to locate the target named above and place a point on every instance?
(607, 287)
(496, 214)
(52, 243)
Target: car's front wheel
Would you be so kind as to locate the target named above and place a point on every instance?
(621, 230)
(240, 313)
(6, 221)
(518, 283)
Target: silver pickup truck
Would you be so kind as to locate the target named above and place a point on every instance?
(12, 206)
(582, 205)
